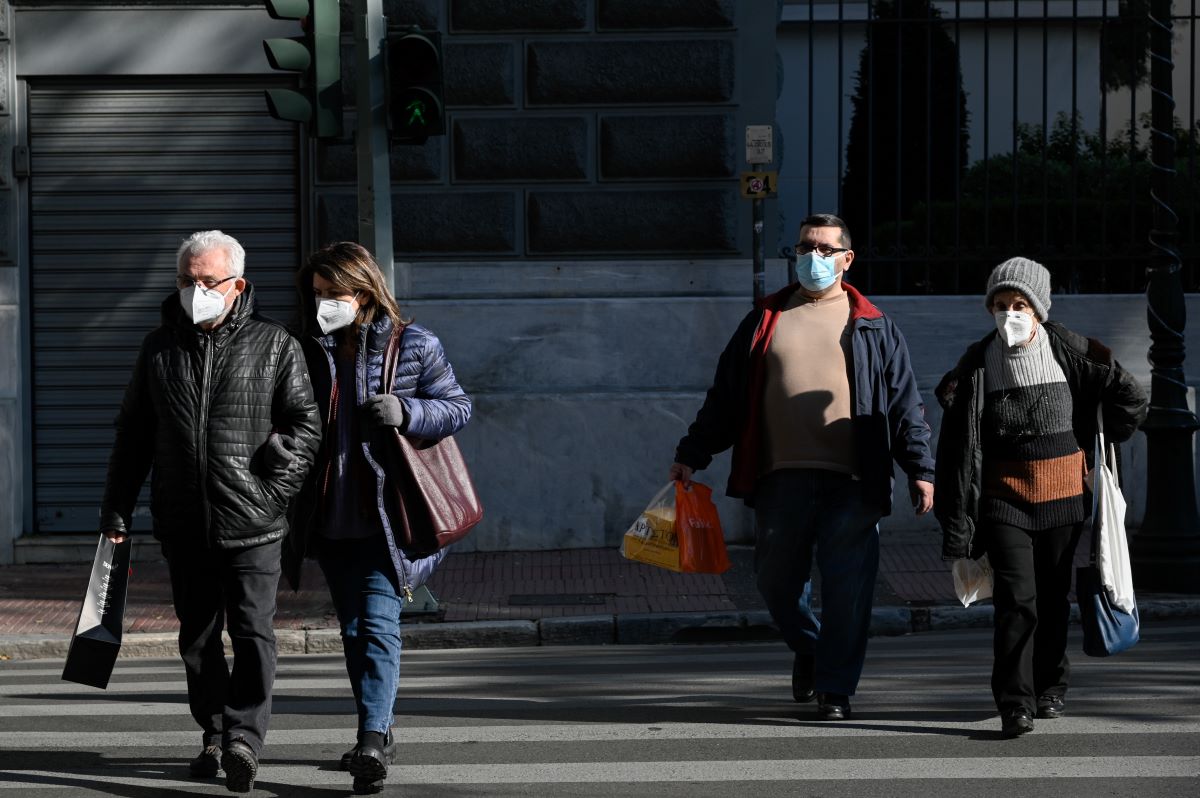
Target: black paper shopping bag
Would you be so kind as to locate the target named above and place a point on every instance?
(97, 637)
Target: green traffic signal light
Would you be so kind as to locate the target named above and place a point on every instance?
(414, 61)
(317, 55)
(416, 113)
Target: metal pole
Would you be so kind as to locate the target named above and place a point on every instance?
(371, 140)
(759, 244)
(1165, 553)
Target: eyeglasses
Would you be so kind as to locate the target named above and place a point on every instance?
(824, 250)
(208, 283)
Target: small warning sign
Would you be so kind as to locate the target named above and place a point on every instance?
(759, 185)
(759, 144)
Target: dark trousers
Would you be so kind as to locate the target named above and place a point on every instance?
(799, 512)
(1032, 579)
(213, 588)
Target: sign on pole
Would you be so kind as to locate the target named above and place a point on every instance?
(759, 147)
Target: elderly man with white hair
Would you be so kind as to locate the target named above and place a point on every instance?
(220, 411)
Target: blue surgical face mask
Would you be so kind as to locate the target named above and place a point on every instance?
(816, 273)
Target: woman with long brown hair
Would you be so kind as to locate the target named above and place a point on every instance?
(342, 515)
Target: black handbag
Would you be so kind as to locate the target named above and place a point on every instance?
(97, 638)
(436, 500)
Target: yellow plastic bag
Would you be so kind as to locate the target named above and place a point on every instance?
(679, 530)
(652, 537)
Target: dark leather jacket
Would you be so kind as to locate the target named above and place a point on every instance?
(198, 409)
(1094, 377)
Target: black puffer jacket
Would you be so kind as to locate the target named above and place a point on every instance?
(198, 409)
(1095, 379)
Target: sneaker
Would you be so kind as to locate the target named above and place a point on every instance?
(240, 766)
(1050, 707)
(1016, 722)
(207, 763)
(369, 762)
(802, 679)
(833, 706)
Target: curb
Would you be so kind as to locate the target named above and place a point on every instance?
(586, 630)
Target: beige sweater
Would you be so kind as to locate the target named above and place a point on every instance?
(806, 401)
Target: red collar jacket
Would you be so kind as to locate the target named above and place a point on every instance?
(888, 415)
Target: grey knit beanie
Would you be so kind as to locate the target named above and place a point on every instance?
(1024, 275)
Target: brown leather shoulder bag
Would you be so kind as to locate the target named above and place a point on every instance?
(435, 498)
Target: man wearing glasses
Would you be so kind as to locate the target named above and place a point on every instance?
(816, 396)
(220, 409)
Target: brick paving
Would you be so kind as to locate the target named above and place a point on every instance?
(476, 586)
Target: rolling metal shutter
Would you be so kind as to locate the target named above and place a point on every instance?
(119, 176)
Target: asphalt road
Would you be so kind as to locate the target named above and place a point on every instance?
(634, 722)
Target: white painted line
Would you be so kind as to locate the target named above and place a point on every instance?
(778, 770)
(803, 770)
(569, 732)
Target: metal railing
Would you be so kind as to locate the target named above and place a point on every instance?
(955, 133)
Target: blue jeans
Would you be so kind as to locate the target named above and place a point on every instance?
(798, 511)
(367, 597)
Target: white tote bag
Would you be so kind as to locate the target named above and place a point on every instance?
(1108, 509)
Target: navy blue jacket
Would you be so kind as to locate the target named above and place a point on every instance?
(434, 406)
(888, 414)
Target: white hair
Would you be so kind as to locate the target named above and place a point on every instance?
(208, 240)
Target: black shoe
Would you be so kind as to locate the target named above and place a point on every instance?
(207, 763)
(1050, 707)
(802, 679)
(389, 749)
(240, 766)
(366, 786)
(1016, 722)
(832, 706)
(369, 762)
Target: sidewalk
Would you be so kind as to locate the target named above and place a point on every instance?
(567, 597)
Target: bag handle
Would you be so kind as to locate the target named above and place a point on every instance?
(391, 358)
(1106, 455)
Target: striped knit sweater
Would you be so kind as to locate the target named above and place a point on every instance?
(1032, 465)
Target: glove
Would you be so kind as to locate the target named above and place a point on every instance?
(278, 457)
(112, 526)
(384, 410)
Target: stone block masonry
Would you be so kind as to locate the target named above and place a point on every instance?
(585, 129)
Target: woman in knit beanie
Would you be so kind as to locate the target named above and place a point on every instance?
(1016, 439)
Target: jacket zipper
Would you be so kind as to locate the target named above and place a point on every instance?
(205, 381)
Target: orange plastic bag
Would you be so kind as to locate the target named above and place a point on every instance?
(680, 530)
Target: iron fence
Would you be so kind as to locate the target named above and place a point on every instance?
(951, 134)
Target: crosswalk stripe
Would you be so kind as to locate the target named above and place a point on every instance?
(773, 770)
(607, 732)
(803, 770)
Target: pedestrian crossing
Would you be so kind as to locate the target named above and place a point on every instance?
(636, 721)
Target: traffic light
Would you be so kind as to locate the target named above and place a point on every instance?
(316, 54)
(414, 69)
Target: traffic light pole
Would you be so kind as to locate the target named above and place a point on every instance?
(371, 140)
